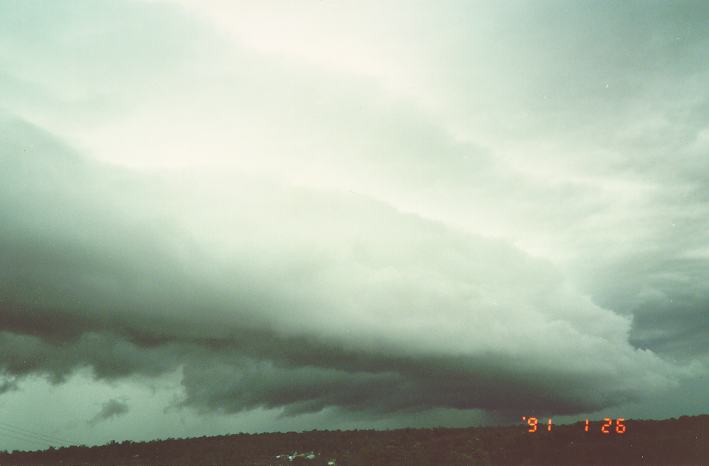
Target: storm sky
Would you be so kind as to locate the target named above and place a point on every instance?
(223, 216)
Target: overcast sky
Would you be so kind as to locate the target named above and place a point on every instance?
(223, 216)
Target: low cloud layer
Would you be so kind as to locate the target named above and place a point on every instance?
(309, 218)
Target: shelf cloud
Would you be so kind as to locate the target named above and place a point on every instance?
(327, 212)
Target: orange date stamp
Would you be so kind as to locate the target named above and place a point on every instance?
(609, 426)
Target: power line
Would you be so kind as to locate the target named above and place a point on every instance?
(36, 442)
(35, 435)
(40, 434)
(20, 436)
(31, 434)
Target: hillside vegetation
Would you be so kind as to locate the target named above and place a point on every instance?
(674, 441)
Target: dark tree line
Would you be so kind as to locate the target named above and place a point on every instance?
(683, 441)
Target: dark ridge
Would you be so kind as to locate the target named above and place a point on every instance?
(683, 441)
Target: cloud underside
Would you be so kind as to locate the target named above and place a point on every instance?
(267, 296)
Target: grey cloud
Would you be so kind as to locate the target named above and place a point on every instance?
(266, 295)
(665, 293)
(614, 98)
(8, 384)
(109, 410)
(379, 309)
(493, 383)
